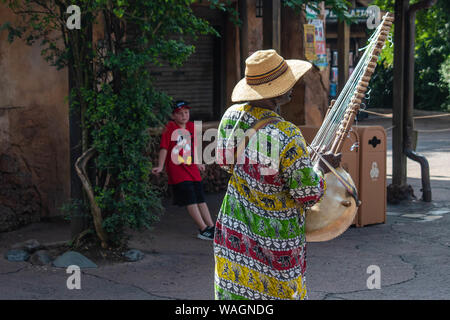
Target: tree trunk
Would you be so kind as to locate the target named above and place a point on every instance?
(78, 221)
(80, 76)
(96, 212)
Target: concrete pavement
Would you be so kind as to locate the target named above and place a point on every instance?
(411, 251)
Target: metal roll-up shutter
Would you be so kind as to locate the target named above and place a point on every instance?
(192, 82)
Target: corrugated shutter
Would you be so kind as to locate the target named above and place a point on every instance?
(194, 81)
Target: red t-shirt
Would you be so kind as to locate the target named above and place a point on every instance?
(179, 144)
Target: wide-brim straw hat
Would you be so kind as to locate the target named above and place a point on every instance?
(268, 75)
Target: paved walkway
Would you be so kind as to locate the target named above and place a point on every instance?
(412, 251)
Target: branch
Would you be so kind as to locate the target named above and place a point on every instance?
(11, 107)
(80, 167)
(108, 177)
(128, 15)
(63, 27)
(48, 13)
(157, 28)
(424, 4)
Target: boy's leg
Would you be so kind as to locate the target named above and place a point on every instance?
(206, 216)
(202, 206)
(194, 212)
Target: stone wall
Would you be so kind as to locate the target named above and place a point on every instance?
(316, 96)
(34, 133)
(20, 202)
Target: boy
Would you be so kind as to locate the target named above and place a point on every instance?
(184, 175)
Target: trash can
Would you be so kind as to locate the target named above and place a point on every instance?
(350, 162)
(372, 174)
(350, 154)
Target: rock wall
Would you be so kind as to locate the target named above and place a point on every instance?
(20, 202)
(316, 96)
(34, 131)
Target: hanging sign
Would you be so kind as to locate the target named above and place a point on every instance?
(310, 13)
(320, 46)
(310, 42)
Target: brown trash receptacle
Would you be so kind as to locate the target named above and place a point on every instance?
(372, 174)
(350, 161)
(350, 154)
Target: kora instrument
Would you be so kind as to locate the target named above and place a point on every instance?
(337, 210)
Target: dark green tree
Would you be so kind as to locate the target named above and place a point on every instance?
(432, 58)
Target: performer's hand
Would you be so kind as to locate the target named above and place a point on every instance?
(333, 159)
(157, 170)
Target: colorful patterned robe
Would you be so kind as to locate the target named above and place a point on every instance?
(259, 244)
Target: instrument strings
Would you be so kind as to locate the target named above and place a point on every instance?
(326, 134)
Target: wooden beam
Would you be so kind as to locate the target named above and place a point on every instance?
(365, 3)
(424, 4)
(343, 52)
(243, 35)
(272, 25)
(292, 47)
(355, 34)
(398, 157)
(408, 98)
(232, 59)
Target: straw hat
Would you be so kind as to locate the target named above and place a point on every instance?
(268, 75)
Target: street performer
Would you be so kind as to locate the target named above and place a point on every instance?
(259, 243)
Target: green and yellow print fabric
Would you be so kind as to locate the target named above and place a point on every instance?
(255, 284)
(259, 245)
(259, 225)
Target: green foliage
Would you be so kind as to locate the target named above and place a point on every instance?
(340, 7)
(381, 86)
(445, 77)
(432, 52)
(74, 207)
(12, 32)
(118, 122)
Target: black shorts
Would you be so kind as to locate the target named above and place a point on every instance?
(188, 192)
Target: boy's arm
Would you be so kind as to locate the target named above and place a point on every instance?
(161, 160)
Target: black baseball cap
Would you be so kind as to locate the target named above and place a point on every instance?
(180, 104)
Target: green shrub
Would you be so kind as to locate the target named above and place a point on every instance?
(432, 52)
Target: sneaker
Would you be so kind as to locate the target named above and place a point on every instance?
(207, 234)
